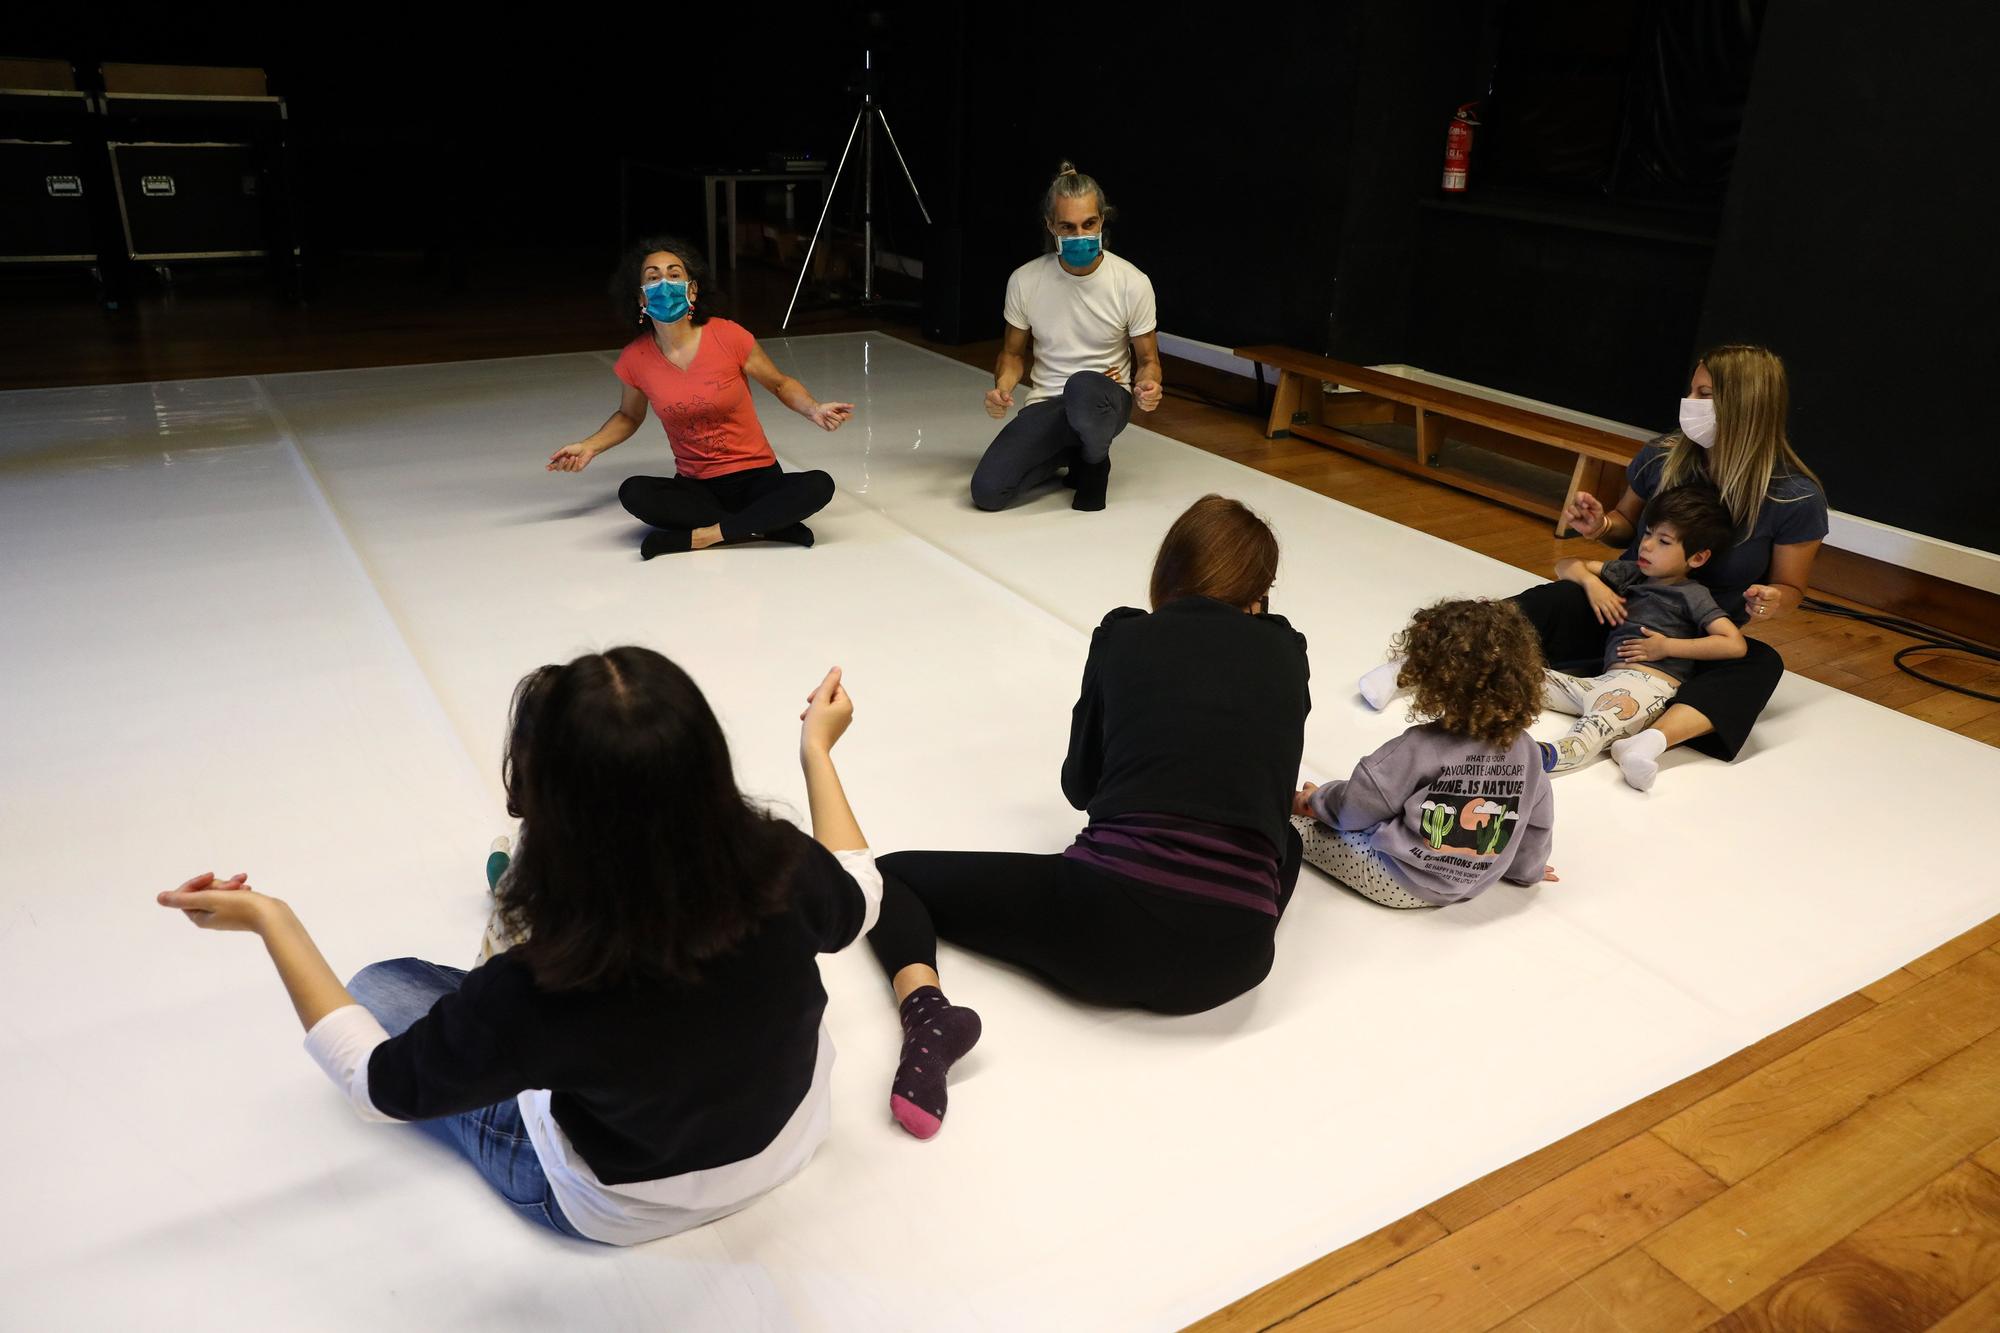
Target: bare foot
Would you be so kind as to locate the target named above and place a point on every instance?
(703, 537)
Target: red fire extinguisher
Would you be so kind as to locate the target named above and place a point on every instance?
(1458, 148)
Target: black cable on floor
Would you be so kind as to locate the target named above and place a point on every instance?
(1933, 643)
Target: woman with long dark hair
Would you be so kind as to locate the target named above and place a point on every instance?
(695, 370)
(1184, 749)
(649, 1055)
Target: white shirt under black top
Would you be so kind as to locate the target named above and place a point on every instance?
(1079, 321)
(653, 1107)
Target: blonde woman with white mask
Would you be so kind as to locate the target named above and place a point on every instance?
(1732, 436)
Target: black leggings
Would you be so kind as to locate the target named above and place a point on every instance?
(1729, 694)
(752, 503)
(1100, 937)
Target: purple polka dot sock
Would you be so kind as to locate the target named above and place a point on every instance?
(936, 1034)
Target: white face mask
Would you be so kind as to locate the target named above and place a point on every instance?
(1698, 420)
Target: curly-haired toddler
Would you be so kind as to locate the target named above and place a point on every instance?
(1460, 799)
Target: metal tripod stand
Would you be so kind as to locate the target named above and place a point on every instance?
(865, 121)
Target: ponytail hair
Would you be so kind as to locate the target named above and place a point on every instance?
(1070, 183)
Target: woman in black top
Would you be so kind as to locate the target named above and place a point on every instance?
(1184, 748)
(661, 1012)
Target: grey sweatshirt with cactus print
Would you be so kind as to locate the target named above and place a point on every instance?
(1447, 815)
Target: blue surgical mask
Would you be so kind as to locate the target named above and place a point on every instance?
(666, 300)
(1080, 251)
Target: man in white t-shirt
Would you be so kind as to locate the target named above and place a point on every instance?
(1091, 317)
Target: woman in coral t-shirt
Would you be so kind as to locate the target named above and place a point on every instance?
(696, 371)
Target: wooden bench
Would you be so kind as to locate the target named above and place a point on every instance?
(1595, 458)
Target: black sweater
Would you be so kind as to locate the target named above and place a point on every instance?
(1197, 709)
(651, 1079)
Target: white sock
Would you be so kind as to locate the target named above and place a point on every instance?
(1639, 757)
(1378, 687)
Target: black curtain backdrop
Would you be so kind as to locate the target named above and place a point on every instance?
(1275, 168)
(476, 130)
(1857, 242)
(1223, 140)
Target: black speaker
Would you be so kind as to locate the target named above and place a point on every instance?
(51, 184)
(44, 211)
(189, 200)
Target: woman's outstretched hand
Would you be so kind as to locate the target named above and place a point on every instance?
(231, 904)
(828, 712)
(830, 416)
(575, 457)
(219, 904)
(1302, 803)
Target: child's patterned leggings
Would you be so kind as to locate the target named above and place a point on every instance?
(1349, 859)
(1616, 704)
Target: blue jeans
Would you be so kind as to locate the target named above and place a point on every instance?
(492, 1138)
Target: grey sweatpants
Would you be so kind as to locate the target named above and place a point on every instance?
(1074, 429)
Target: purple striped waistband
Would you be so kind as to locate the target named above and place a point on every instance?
(1190, 856)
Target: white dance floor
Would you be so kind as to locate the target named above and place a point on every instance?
(272, 625)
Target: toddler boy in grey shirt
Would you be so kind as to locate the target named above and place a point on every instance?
(1663, 622)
